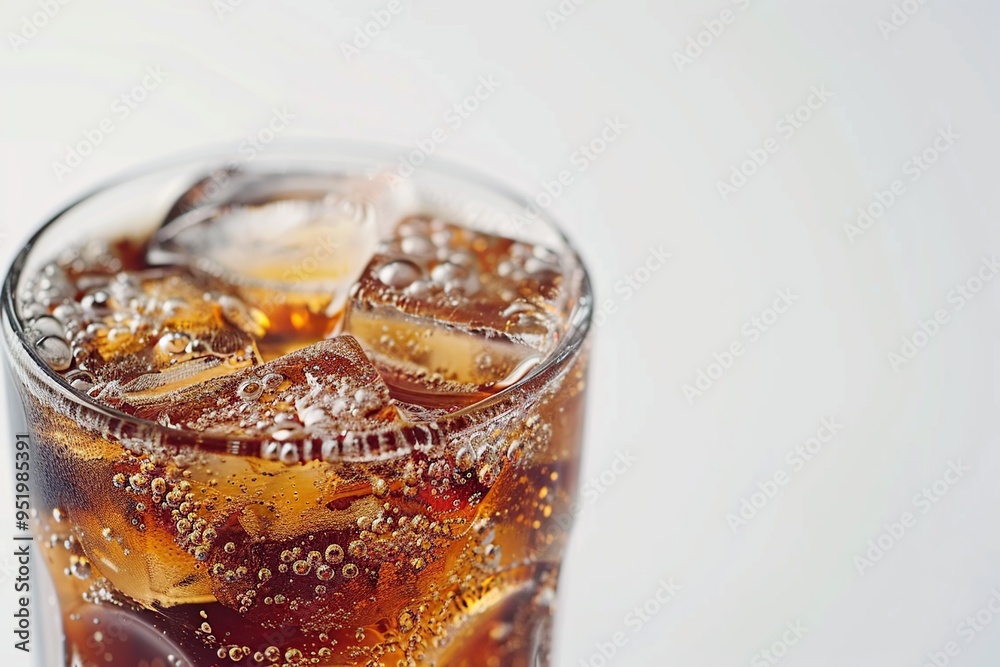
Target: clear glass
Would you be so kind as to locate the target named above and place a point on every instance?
(415, 581)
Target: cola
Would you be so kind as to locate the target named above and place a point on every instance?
(301, 421)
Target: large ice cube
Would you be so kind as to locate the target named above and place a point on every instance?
(289, 244)
(160, 328)
(450, 314)
(316, 393)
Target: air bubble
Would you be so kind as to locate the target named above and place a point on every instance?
(58, 515)
(272, 381)
(289, 454)
(350, 571)
(514, 451)
(46, 325)
(80, 567)
(173, 343)
(399, 273)
(250, 390)
(96, 300)
(357, 549)
(263, 574)
(81, 380)
(487, 475)
(55, 352)
(301, 567)
(417, 246)
(334, 554)
(449, 274)
(465, 459)
(324, 572)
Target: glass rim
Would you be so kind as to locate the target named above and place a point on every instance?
(579, 321)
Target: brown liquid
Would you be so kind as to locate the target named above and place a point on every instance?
(467, 583)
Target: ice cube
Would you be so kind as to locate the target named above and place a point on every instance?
(160, 329)
(450, 314)
(315, 394)
(289, 244)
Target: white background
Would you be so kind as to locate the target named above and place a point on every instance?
(687, 126)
